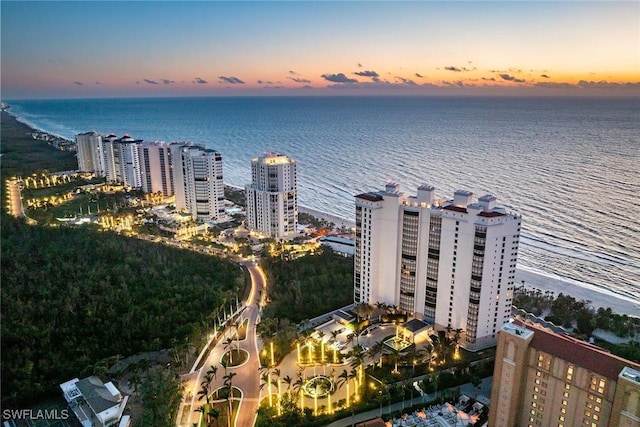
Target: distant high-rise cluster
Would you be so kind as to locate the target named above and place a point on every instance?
(191, 172)
(449, 262)
(272, 196)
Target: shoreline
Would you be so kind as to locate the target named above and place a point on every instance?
(532, 279)
(598, 297)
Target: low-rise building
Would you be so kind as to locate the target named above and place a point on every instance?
(94, 403)
(340, 245)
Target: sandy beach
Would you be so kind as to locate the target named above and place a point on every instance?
(338, 221)
(532, 279)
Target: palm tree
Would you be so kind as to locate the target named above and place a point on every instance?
(228, 384)
(331, 379)
(343, 379)
(381, 306)
(213, 371)
(237, 324)
(297, 387)
(321, 336)
(288, 380)
(225, 365)
(278, 383)
(203, 393)
(228, 347)
(357, 355)
(377, 348)
(266, 379)
(215, 414)
(456, 340)
(334, 336)
(395, 354)
(200, 409)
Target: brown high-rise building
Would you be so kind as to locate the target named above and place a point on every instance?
(542, 378)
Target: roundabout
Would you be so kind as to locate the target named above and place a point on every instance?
(317, 387)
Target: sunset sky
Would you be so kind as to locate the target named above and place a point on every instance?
(205, 48)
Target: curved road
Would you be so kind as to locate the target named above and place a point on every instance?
(247, 377)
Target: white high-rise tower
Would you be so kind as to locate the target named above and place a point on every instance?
(449, 262)
(89, 152)
(197, 179)
(272, 196)
(155, 161)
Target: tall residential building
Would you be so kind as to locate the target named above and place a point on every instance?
(272, 196)
(89, 152)
(197, 178)
(155, 161)
(127, 161)
(542, 378)
(449, 262)
(108, 144)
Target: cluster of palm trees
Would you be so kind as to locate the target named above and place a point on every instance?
(365, 310)
(207, 410)
(293, 398)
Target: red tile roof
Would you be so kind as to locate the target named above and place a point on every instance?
(578, 352)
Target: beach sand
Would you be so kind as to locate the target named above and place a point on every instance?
(532, 279)
(338, 221)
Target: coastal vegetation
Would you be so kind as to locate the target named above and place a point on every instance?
(22, 155)
(308, 286)
(161, 393)
(581, 320)
(73, 297)
(317, 223)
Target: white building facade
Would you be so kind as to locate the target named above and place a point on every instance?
(198, 183)
(89, 152)
(449, 262)
(155, 161)
(272, 196)
(127, 161)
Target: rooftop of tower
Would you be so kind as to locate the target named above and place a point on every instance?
(581, 353)
(372, 197)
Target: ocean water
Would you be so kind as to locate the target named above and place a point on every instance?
(570, 166)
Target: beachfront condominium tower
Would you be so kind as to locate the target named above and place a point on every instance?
(155, 161)
(449, 262)
(120, 159)
(272, 196)
(197, 179)
(544, 378)
(89, 152)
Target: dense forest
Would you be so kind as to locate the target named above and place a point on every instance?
(72, 297)
(22, 155)
(308, 286)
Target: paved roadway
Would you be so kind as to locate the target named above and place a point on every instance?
(247, 377)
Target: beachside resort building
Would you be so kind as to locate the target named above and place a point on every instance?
(542, 378)
(450, 263)
(191, 172)
(94, 403)
(272, 196)
(89, 151)
(197, 178)
(155, 162)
